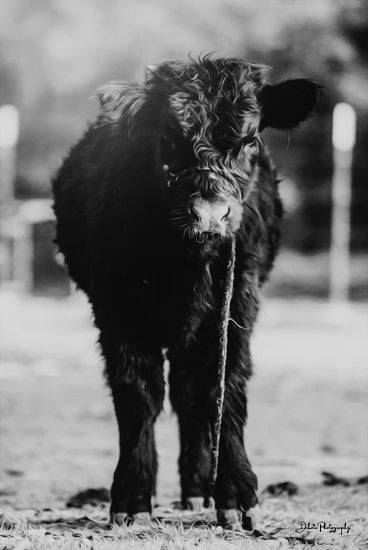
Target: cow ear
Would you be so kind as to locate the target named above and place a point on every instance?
(121, 102)
(287, 104)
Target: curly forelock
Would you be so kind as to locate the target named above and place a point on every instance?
(211, 96)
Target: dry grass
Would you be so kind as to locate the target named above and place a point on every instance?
(277, 521)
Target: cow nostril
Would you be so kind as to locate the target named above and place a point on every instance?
(194, 213)
(224, 218)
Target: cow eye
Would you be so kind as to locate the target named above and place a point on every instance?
(250, 141)
(238, 147)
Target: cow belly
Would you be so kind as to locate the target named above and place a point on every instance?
(164, 314)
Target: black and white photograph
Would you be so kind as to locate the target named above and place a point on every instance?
(183, 274)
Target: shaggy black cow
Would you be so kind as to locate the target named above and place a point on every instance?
(145, 205)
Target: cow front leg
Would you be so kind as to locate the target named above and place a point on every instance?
(134, 478)
(137, 386)
(236, 483)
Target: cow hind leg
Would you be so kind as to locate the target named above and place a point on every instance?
(194, 428)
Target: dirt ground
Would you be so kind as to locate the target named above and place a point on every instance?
(308, 403)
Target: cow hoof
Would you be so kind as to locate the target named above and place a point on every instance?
(254, 517)
(229, 518)
(122, 518)
(119, 518)
(194, 503)
(142, 518)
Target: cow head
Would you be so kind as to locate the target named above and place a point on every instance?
(205, 120)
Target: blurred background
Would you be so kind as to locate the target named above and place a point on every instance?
(58, 432)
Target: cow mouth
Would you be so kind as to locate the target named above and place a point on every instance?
(202, 237)
(207, 237)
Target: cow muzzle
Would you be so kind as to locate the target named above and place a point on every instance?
(209, 218)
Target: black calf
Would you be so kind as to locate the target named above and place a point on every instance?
(145, 205)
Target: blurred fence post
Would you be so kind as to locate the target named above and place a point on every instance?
(343, 139)
(9, 132)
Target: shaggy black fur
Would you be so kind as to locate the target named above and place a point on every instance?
(130, 201)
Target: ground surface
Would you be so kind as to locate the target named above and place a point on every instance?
(308, 412)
